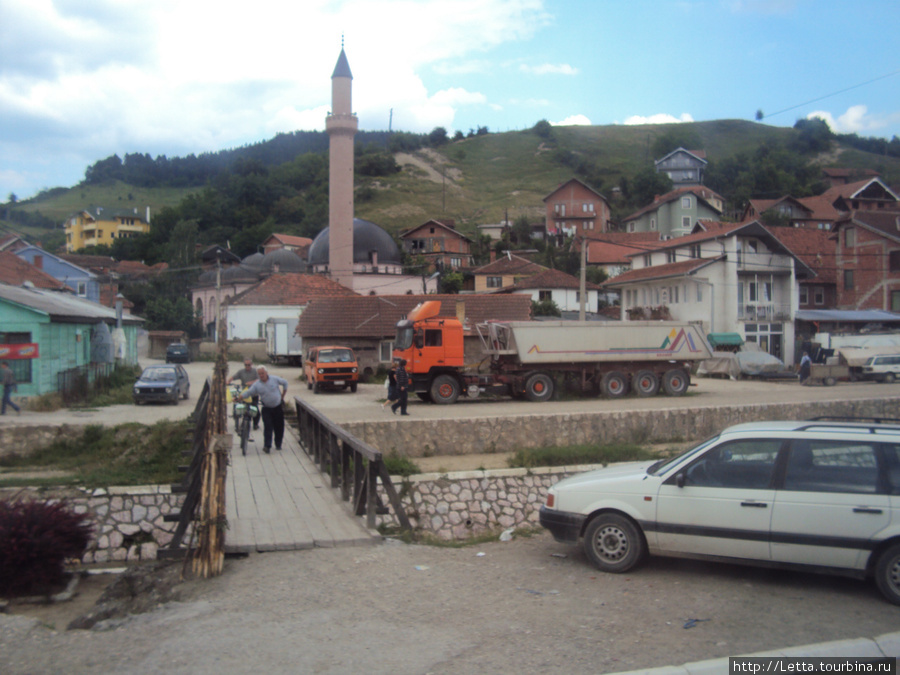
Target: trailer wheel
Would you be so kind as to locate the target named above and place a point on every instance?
(539, 387)
(645, 383)
(829, 381)
(614, 384)
(444, 389)
(676, 382)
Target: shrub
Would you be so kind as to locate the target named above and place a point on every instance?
(36, 538)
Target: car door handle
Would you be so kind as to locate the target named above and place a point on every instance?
(756, 505)
(867, 509)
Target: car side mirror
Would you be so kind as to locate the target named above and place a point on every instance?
(679, 479)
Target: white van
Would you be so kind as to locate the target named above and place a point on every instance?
(884, 368)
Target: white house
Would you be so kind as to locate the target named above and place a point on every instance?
(563, 289)
(731, 277)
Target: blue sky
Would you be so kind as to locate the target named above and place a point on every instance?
(81, 80)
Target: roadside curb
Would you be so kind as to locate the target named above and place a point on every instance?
(887, 645)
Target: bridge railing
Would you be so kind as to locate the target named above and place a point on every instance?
(353, 465)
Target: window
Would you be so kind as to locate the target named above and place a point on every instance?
(494, 282)
(631, 227)
(433, 338)
(686, 222)
(832, 466)
(804, 295)
(670, 256)
(455, 262)
(685, 202)
(587, 208)
(848, 280)
(894, 261)
(385, 351)
(81, 288)
(260, 330)
(699, 293)
(648, 259)
(895, 301)
(746, 464)
(545, 296)
(849, 237)
(653, 223)
(695, 251)
(819, 295)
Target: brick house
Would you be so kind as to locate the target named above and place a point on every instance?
(817, 250)
(576, 210)
(868, 260)
(440, 244)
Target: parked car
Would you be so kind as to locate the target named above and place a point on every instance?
(331, 367)
(883, 368)
(821, 496)
(162, 383)
(178, 353)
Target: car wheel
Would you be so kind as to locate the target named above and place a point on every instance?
(887, 574)
(613, 543)
(187, 392)
(645, 383)
(676, 382)
(614, 385)
(889, 378)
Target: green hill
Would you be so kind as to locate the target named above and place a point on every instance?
(484, 178)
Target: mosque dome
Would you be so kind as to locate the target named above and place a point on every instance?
(367, 238)
(282, 260)
(238, 274)
(254, 261)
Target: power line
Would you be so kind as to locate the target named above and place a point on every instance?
(841, 91)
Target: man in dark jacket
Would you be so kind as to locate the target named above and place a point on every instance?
(402, 389)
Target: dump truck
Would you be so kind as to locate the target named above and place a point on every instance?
(525, 359)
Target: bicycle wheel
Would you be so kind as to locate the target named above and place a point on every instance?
(245, 434)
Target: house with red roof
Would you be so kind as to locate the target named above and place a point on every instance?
(731, 277)
(612, 251)
(556, 286)
(440, 244)
(300, 245)
(280, 296)
(575, 209)
(505, 271)
(14, 271)
(868, 260)
(817, 250)
(675, 213)
(368, 323)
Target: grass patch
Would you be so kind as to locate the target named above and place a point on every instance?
(527, 458)
(128, 454)
(397, 465)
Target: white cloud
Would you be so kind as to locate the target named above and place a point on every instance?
(659, 118)
(573, 120)
(855, 120)
(549, 69)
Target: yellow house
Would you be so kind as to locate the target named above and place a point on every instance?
(99, 225)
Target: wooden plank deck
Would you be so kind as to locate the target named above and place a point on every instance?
(280, 502)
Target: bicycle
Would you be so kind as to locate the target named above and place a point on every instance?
(243, 412)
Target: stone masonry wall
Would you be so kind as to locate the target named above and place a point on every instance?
(456, 506)
(128, 521)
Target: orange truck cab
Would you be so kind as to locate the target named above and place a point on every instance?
(331, 367)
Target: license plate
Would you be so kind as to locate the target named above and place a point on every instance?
(339, 382)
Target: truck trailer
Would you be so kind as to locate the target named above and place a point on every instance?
(524, 359)
(281, 342)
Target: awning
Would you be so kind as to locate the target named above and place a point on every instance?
(725, 339)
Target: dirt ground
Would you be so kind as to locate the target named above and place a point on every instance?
(528, 605)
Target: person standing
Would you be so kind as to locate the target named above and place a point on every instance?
(271, 390)
(246, 377)
(391, 385)
(8, 379)
(805, 368)
(402, 389)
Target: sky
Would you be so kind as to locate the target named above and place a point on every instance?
(81, 80)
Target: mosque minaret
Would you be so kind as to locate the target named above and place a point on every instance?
(341, 125)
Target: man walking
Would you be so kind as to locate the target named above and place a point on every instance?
(246, 377)
(8, 379)
(402, 389)
(271, 390)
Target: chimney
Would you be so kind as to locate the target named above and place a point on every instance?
(493, 255)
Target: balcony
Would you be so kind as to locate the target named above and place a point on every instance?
(767, 263)
(764, 312)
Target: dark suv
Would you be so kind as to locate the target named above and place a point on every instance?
(178, 353)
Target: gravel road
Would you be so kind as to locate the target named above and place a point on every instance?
(530, 605)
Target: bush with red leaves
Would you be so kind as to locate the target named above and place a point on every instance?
(36, 538)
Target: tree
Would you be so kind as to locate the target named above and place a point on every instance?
(12, 199)
(648, 184)
(520, 233)
(759, 115)
(545, 308)
(437, 137)
(451, 282)
(543, 128)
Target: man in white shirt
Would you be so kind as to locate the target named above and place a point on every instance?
(271, 390)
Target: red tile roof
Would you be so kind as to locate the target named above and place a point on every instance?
(14, 271)
(290, 289)
(815, 248)
(290, 240)
(510, 264)
(550, 279)
(700, 191)
(376, 316)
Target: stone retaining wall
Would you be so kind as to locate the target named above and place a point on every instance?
(460, 505)
(128, 521)
(427, 438)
